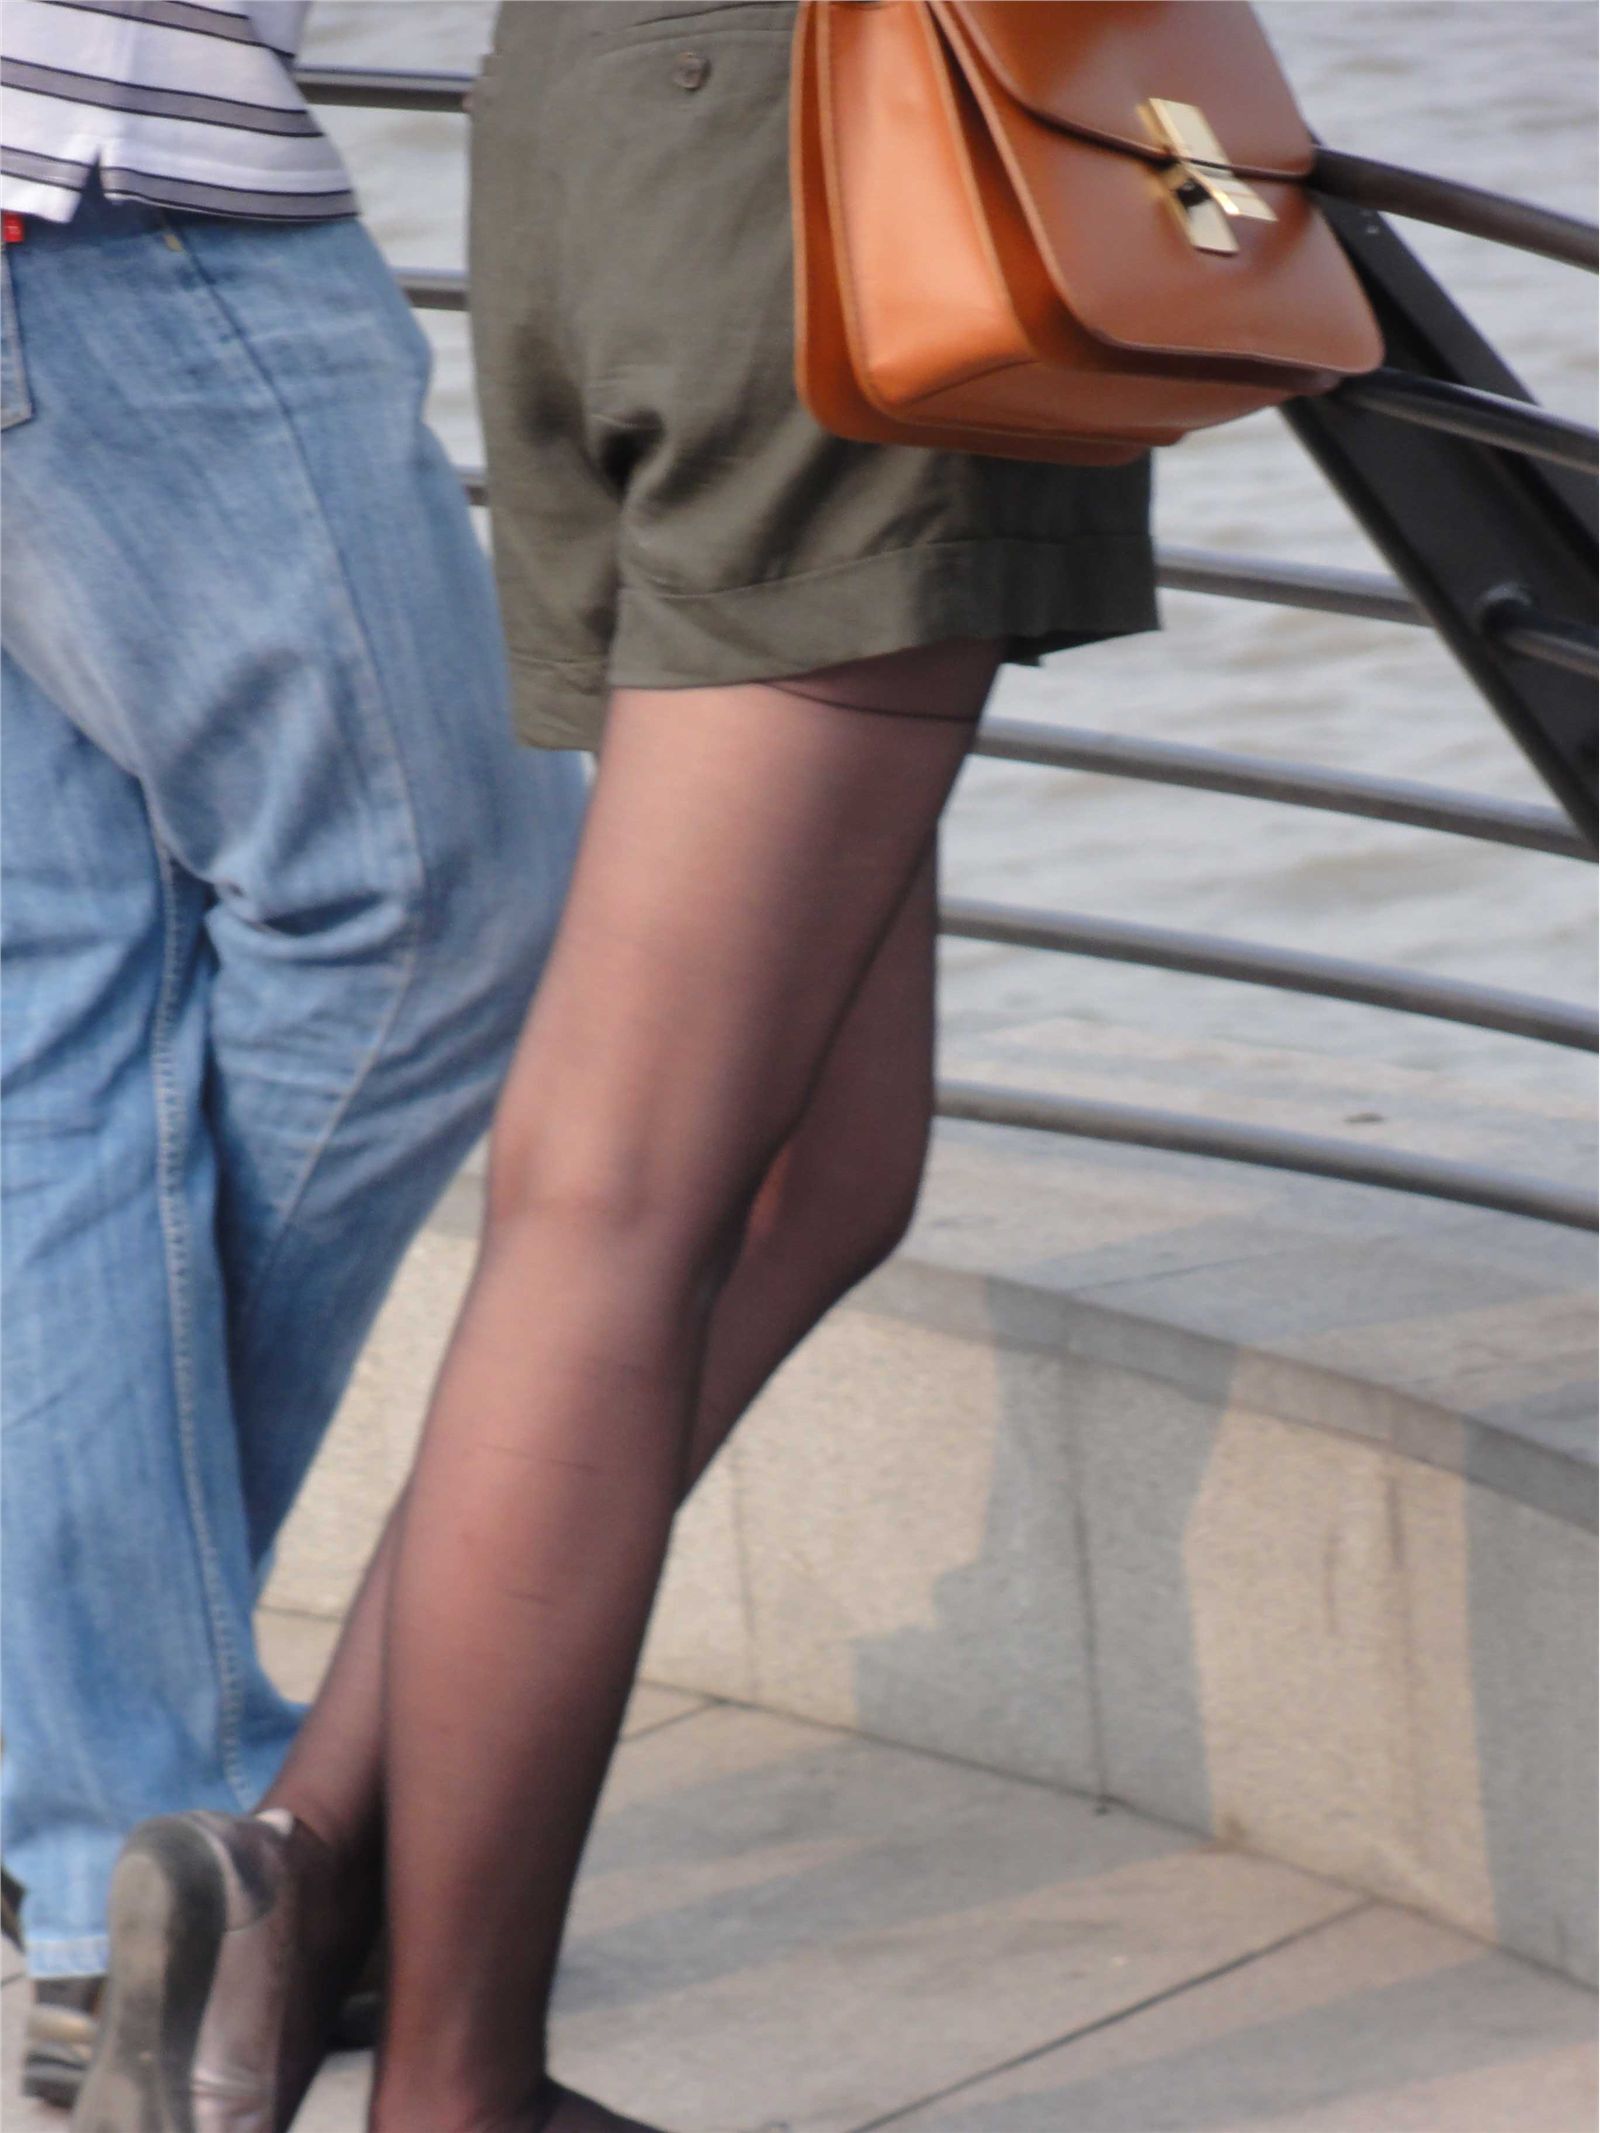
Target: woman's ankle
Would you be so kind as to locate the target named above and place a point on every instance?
(554, 2110)
(403, 2106)
(353, 1847)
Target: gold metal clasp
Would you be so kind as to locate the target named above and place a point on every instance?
(1201, 184)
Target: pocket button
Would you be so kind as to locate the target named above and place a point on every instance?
(689, 70)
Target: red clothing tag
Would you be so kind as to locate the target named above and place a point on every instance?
(13, 229)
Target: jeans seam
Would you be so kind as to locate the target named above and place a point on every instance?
(409, 942)
(359, 1078)
(18, 407)
(169, 1189)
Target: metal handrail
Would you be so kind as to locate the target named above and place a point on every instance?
(1459, 522)
(1464, 411)
(385, 88)
(1367, 594)
(1451, 205)
(1521, 224)
(1253, 777)
(1469, 1184)
(433, 288)
(1509, 616)
(1329, 977)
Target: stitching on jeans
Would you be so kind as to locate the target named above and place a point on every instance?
(410, 938)
(180, 1296)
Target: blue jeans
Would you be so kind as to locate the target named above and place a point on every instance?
(277, 888)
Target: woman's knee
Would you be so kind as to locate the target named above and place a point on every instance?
(610, 1189)
(884, 1208)
(844, 1202)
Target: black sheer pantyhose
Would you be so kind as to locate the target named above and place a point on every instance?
(714, 1125)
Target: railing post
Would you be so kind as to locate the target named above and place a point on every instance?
(1458, 521)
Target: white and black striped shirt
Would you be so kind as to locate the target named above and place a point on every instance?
(179, 103)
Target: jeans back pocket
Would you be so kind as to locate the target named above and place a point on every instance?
(15, 405)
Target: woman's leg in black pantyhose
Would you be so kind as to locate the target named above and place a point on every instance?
(834, 1205)
(841, 1194)
(747, 854)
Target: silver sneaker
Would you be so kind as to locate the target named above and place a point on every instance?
(203, 1918)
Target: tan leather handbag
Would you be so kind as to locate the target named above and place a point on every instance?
(1056, 229)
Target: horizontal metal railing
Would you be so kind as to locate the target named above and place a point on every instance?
(1386, 186)
(1508, 616)
(1252, 777)
(432, 289)
(385, 88)
(1207, 955)
(1365, 593)
(1453, 206)
(1471, 1184)
(1487, 418)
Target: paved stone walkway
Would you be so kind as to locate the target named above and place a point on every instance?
(783, 1929)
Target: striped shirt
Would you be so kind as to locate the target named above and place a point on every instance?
(178, 103)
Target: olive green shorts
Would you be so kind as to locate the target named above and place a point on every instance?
(665, 514)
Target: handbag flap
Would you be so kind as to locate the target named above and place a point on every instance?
(1122, 264)
(1091, 66)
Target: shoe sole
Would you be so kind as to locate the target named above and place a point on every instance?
(52, 2081)
(168, 1912)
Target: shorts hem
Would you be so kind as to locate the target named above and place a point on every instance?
(557, 703)
(1038, 595)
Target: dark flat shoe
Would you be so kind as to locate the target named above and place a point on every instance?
(58, 2037)
(11, 1908)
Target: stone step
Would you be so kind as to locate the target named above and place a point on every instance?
(782, 1926)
